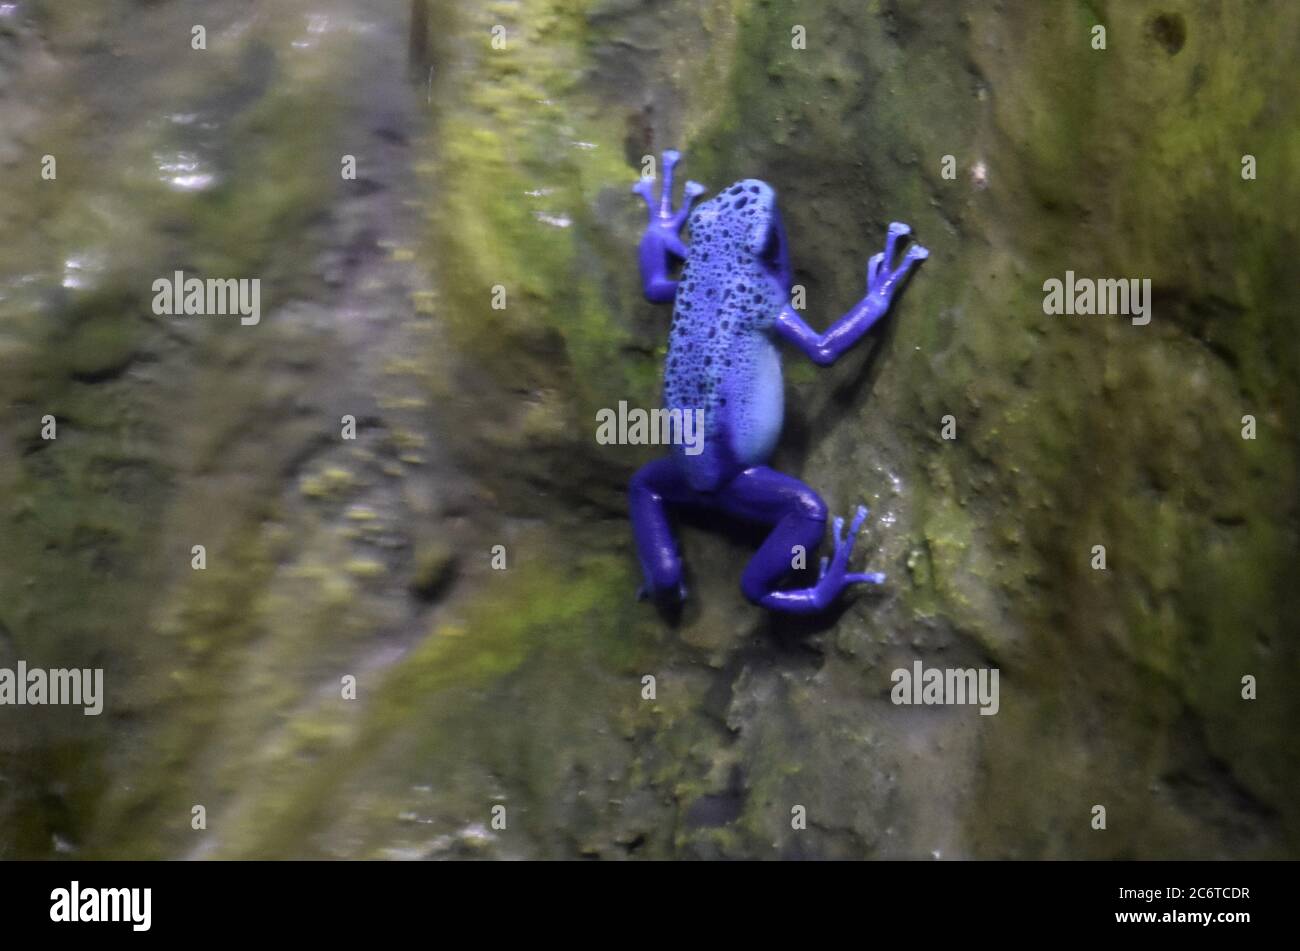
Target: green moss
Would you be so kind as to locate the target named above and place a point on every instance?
(535, 608)
(541, 621)
(101, 347)
(520, 169)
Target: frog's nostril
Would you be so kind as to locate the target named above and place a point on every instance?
(1169, 30)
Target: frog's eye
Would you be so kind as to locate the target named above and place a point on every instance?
(773, 253)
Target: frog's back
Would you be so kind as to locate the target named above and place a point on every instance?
(721, 357)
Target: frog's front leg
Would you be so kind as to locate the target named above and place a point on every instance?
(798, 519)
(882, 284)
(662, 236)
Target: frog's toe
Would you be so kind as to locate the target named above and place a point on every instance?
(898, 233)
(888, 277)
(873, 268)
(695, 189)
(866, 577)
(645, 187)
(859, 516)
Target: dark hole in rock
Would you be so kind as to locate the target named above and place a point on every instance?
(1170, 31)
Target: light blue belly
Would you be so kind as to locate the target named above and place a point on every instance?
(755, 405)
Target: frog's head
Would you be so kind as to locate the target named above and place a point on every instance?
(746, 212)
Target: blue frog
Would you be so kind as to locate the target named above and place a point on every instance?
(730, 307)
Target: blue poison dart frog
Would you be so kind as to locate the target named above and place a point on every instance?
(730, 308)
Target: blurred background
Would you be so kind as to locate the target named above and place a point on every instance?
(480, 166)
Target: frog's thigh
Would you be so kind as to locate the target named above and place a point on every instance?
(796, 512)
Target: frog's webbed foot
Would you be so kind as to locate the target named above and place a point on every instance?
(665, 215)
(884, 281)
(798, 518)
(835, 569)
(882, 278)
(832, 579)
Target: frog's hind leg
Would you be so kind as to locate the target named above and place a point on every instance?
(798, 516)
(656, 486)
